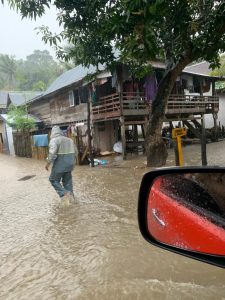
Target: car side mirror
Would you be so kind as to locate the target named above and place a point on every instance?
(183, 210)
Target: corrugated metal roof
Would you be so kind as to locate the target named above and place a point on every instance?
(3, 99)
(74, 75)
(17, 99)
(201, 69)
(79, 73)
(5, 117)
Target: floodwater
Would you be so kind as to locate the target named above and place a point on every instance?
(93, 249)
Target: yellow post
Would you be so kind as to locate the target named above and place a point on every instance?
(179, 151)
(177, 133)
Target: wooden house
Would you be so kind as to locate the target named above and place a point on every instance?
(6, 131)
(121, 105)
(6, 137)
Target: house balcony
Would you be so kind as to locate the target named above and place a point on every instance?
(116, 105)
(187, 104)
(135, 105)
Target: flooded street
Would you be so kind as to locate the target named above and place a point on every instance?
(93, 250)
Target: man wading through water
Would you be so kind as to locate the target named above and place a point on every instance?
(62, 154)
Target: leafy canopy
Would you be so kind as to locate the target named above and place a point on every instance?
(36, 72)
(8, 68)
(220, 85)
(142, 30)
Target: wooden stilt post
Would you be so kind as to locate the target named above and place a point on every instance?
(215, 116)
(135, 133)
(135, 137)
(119, 71)
(89, 130)
(116, 135)
(143, 131)
(78, 145)
(123, 136)
(203, 142)
(215, 126)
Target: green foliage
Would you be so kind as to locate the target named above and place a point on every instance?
(31, 9)
(220, 85)
(36, 72)
(39, 86)
(18, 118)
(221, 70)
(141, 30)
(38, 67)
(8, 68)
(177, 31)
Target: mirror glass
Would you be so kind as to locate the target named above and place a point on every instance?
(187, 211)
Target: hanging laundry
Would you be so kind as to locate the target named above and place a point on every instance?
(69, 132)
(151, 87)
(74, 130)
(40, 140)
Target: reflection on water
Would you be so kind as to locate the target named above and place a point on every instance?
(90, 250)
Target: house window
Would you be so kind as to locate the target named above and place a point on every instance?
(83, 92)
(76, 97)
(71, 98)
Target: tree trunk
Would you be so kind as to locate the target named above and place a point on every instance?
(155, 148)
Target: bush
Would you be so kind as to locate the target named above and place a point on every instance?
(19, 119)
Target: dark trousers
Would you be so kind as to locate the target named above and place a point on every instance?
(62, 182)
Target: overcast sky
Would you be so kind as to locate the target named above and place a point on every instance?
(18, 37)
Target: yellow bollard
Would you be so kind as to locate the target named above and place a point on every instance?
(179, 151)
(177, 133)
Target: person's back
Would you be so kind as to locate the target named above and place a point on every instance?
(62, 153)
(66, 153)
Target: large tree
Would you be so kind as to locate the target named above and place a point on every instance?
(180, 31)
(36, 72)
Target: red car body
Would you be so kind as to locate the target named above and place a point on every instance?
(177, 225)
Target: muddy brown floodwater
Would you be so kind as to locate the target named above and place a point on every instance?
(93, 250)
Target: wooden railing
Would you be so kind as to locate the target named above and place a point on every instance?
(134, 101)
(109, 107)
(188, 103)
